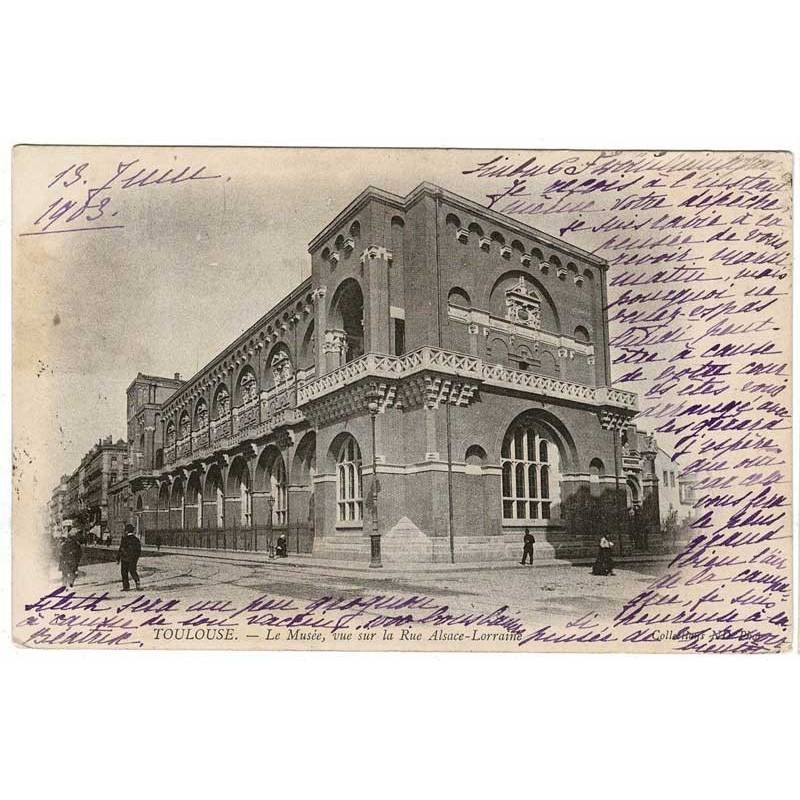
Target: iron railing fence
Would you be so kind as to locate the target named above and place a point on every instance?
(256, 538)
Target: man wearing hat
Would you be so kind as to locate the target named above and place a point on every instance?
(130, 549)
(69, 558)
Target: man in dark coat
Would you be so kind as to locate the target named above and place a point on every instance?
(280, 547)
(527, 547)
(128, 555)
(69, 558)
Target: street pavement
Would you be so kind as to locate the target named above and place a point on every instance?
(550, 592)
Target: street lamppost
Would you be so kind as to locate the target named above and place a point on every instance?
(617, 430)
(375, 537)
(270, 545)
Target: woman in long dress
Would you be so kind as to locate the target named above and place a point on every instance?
(604, 563)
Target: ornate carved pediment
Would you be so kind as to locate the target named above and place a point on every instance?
(523, 306)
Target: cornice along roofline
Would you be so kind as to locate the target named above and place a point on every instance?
(140, 376)
(464, 203)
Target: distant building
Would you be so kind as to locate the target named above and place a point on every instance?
(676, 490)
(57, 508)
(83, 494)
(145, 447)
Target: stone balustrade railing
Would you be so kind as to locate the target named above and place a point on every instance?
(201, 438)
(464, 366)
(221, 435)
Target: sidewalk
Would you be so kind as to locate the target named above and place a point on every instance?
(309, 562)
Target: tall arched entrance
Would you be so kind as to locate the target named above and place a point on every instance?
(347, 321)
(213, 499)
(239, 490)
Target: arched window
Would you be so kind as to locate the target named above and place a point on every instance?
(278, 491)
(459, 298)
(530, 472)
(596, 469)
(474, 459)
(348, 482)
(581, 335)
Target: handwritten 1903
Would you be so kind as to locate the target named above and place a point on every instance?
(84, 207)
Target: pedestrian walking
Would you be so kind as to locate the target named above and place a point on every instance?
(69, 558)
(280, 547)
(527, 547)
(130, 548)
(604, 563)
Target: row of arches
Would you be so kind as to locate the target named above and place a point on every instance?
(279, 373)
(200, 500)
(348, 240)
(535, 453)
(344, 241)
(224, 498)
(515, 246)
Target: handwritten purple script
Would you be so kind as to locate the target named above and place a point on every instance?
(80, 207)
(699, 303)
(699, 308)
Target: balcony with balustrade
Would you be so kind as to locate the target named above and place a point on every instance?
(250, 421)
(468, 368)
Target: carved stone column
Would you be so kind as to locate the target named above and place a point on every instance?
(334, 348)
(321, 324)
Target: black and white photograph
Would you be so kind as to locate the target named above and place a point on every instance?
(389, 399)
(396, 400)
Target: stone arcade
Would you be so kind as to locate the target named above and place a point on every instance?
(478, 348)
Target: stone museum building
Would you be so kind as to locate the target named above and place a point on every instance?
(457, 355)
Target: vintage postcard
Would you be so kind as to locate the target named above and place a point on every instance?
(468, 400)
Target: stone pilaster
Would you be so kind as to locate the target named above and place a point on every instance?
(377, 327)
